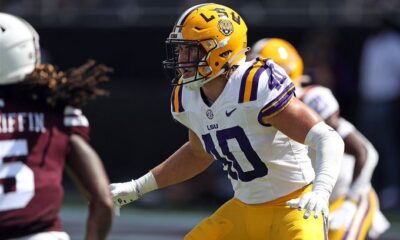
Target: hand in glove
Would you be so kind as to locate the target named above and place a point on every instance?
(127, 192)
(311, 201)
(124, 193)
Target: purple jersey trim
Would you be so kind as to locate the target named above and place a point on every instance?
(278, 103)
(243, 84)
(180, 107)
(254, 86)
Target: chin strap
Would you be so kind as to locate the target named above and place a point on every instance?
(228, 65)
(244, 50)
(193, 84)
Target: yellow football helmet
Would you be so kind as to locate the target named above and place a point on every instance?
(214, 29)
(283, 53)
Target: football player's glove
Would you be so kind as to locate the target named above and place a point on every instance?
(127, 192)
(124, 193)
(311, 201)
(342, 217)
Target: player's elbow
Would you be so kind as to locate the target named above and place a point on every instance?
(105, 203)
(102, 206)
(372, 155)
(370, 158)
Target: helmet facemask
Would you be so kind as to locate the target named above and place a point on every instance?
(195, 61)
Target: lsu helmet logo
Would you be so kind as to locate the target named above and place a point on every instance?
(225, 27)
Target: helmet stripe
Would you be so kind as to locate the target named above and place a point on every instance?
(188, 12)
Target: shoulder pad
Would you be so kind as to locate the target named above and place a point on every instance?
(321, 100)
(249, 81)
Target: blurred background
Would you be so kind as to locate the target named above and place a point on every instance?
(342, 43)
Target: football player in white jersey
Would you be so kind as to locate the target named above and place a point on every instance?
(245, 115)
(354, 204)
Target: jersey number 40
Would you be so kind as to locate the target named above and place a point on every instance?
(231, 164)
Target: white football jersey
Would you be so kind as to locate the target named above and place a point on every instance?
(262, 163)
(320, 99)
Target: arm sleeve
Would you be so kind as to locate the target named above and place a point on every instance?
(329, 148)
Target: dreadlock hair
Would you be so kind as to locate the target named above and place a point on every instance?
(75, 87)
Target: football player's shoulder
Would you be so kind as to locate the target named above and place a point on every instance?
(265, 85)
(319, 93)
(321, 100)
(183, 99)
(316, 89)
(73, 117)
(242, 68)
(180, 104)
(176, 100)
(275, 91)
(246, 79)
(260, 80)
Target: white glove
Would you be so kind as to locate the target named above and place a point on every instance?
(124, 193)
(127, 192)
(311, 201)
(343, 216)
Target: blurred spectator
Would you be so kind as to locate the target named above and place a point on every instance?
(380, 94)
(328, 57)
(318, 46)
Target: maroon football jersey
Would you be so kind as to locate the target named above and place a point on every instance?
(34, 143)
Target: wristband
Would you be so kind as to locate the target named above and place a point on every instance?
(145, 184)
